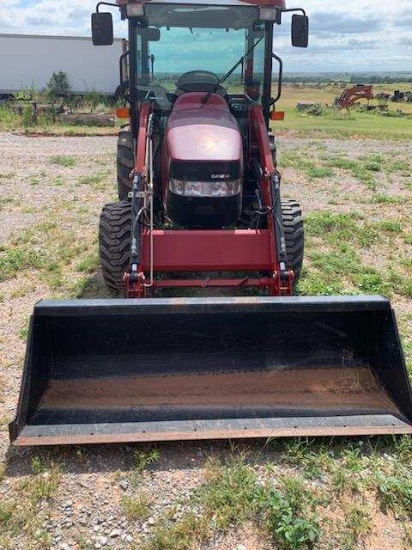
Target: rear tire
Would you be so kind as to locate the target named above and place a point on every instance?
(124, 163)
(294, 235)
(114, 243)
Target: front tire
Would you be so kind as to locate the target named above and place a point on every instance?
(294, 235)
(124, 163)
(114, 243)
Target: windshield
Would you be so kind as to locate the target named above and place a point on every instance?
(202, 38)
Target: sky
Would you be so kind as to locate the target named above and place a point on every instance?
(345, 35)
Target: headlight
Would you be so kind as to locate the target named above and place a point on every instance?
(205, 188)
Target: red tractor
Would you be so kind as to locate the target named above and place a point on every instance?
(199, 193)
(198, 186)
(351, 95)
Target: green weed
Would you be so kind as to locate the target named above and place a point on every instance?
(359, 168)
(88, 264)
(314, 459)
(402, 283)
(387, 199)
(94, 180)
(340, 228)
(372, 283)
(345, 262)
(45, 481)
(358, 523)
(25, 513)
(395, 492)
(348, 476)
(288, 511)
(314, 284)
(63, 160)
(9, 119)
(398, 166)
(15, 259)
(90, 287)
(372, 166)
(58, 181)
(226, 498)
(12, 519)
(341, 162)
(231, 495)
(6, 201)
(407, 537)
(319, 172)
(185, 534)
(228, 491)
(34, 181)
(363, 174)
(24, 328)
(143, 459)
(136, 507)
(391, 226)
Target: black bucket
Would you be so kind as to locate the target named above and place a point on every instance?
(101, 371)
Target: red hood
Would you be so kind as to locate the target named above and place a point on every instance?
(203, 132)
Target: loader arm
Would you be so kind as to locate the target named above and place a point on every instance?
(225, 250)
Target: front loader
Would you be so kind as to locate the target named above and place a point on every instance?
(200, 211)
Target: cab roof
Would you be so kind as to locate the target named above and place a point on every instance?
(280, 4)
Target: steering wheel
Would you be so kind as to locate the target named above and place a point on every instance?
(142, 90)
(198, 81)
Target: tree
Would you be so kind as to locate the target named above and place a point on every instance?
(58, 85)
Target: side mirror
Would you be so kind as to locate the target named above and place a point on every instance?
(151, 34)
(102, 29)
(300, 31)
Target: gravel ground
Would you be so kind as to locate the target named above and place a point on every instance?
(85, 510)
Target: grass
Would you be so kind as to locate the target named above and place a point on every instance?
(339, 124)
(15, 259)
(296, 493)
(94, 180)
(89, 263)
(395, 493)
(137, 507)
(390, 226)
(285, 504)
(357, 525)
(339, 228)
(26, 514)
(288, 511)
(224, 499)
(141, 461)
(387, 199)
(45, 481)
(230, 496)
(63, 160)
(342, 126)
(47, 248)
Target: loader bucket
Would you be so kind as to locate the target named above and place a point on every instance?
(102, 371)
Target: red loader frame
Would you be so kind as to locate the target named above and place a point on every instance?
(223, 250)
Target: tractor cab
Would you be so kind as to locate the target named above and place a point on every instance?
(179, 47)
(201, 71)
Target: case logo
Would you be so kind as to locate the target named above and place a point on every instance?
(220, 176)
